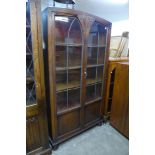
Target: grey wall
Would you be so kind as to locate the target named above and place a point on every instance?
(106, 9)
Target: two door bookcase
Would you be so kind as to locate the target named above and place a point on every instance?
(76, 48)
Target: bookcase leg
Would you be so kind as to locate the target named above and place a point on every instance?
(55, 147)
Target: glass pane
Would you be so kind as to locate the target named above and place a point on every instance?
(101, 55)
(99, 73)
(75, 36)
(93, 35)
(91, 75)
(67, 30)
(61, 101)
(74, 56)
(97, 35)
(74, 78)
(92, 56)
(30, 81)
(98, 89)
(90, 93)
(95, 61)
(73, 98)
(68, 60)
(61, 80)
(102, 35)
(61, 56)
(30, 93)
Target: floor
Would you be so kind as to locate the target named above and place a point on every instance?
(100, 140)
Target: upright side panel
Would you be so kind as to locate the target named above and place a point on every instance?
(37, 132)
(51, 70)
(106, 70)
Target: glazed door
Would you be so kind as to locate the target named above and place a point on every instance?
(68, 72)
(95, 58)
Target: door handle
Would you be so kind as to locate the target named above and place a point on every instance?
(85, 73)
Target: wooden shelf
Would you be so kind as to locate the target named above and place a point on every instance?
(92, 81)
(75, 84)
(93, 100)
(96, 46)
(66, 110)
(69, 44)
(65, 68)
(62, 87)
(97, 65)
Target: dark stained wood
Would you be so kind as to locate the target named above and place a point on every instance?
(71, 12)
(32, 111)
(112, 63)
(33, 140)
(69, 122)
(86, 23)
(105, 72)
(92, 112)
(52, 80)
(40, 151)
(36, 117)
(120, 101)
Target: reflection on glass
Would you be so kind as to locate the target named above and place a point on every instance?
(61, 101)
(74, 56)
(91, 75)
(92, 56)
(61, 80)
(102, 35)
(73, 98)
(101, 55)
(97, 35)
(67, 30)
(93, 37)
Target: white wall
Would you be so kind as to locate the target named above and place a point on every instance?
(119, 27)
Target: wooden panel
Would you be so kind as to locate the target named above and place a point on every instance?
(92, 112)
(126, 123)
(68, 122)
(31, 110)
(36, 123)
(111, 66)
(32, 134)
(120, 101)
